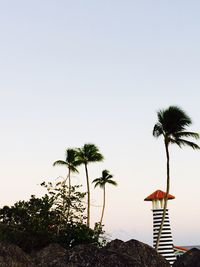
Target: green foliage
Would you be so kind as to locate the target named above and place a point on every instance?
(58, 216)
(88, 153)
(28, 223)
(75, 234)
(62, 201)
(38, 222)
(172, 124)
(106, 178)
(70, 160)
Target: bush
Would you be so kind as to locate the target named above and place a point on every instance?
(35, 223)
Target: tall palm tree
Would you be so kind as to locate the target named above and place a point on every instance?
(71, 163)
(85, 155)
(106, 178)
(172, 126)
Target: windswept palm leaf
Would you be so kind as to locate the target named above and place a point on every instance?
(157, 130)
(111, 182)
(97, 182)
(186, 134)
(60, 162)
(182, 142)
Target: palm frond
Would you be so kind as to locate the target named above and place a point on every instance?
(73, 168)
(98, 182)
(101, 185)
(105, 179)
(174, 141)
(186, 134)
(183, 142)
(60, 162)
(157, 130)
(88, 153)
(112, 182)
(106, 174)
(173, 119)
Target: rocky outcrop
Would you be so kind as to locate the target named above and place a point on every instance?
(143, 254)
(51, 256)
(190, 259)
(13, 256)
(116, 254)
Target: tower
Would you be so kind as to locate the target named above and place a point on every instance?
(165, 247)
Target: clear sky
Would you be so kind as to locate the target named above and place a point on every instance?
(73, 72)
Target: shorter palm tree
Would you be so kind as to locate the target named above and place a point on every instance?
(101, 182)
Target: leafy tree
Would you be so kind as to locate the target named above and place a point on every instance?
(85, 155)
(71, 163)
(61, 201)
(29, 224)
(34, 224)
(172, 124)
(106, 178)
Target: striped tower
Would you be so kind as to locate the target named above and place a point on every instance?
(165, 247)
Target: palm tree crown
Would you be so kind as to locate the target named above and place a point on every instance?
(70, 160)
(105, 179)
(88, 153)
(172, 124)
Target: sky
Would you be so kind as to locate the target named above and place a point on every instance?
(76, 72)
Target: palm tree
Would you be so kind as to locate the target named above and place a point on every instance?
(71, 163)
(172, 124)
(85, 155)
(101, 182)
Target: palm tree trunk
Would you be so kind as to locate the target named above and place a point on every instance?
(88, 193)
(104, 202)
(69, 194)
(166, 196)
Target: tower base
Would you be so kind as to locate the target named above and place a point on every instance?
(165, 248)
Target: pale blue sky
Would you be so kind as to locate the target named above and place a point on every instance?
(73, 72)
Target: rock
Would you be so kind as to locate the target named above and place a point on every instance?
(144, 255)
(90, 256)
(53, 255)
(13, 256)
(190, 259)
(116, 254)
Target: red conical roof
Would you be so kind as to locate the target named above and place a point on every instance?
(158, 195)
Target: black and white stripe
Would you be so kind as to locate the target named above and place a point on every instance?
(165, 247)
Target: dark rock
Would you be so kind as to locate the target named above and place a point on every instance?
(190, 259)
(116, 254)
(53, 255)
(90, 256)
(13, 256)
(82, 255)
(144, 255)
